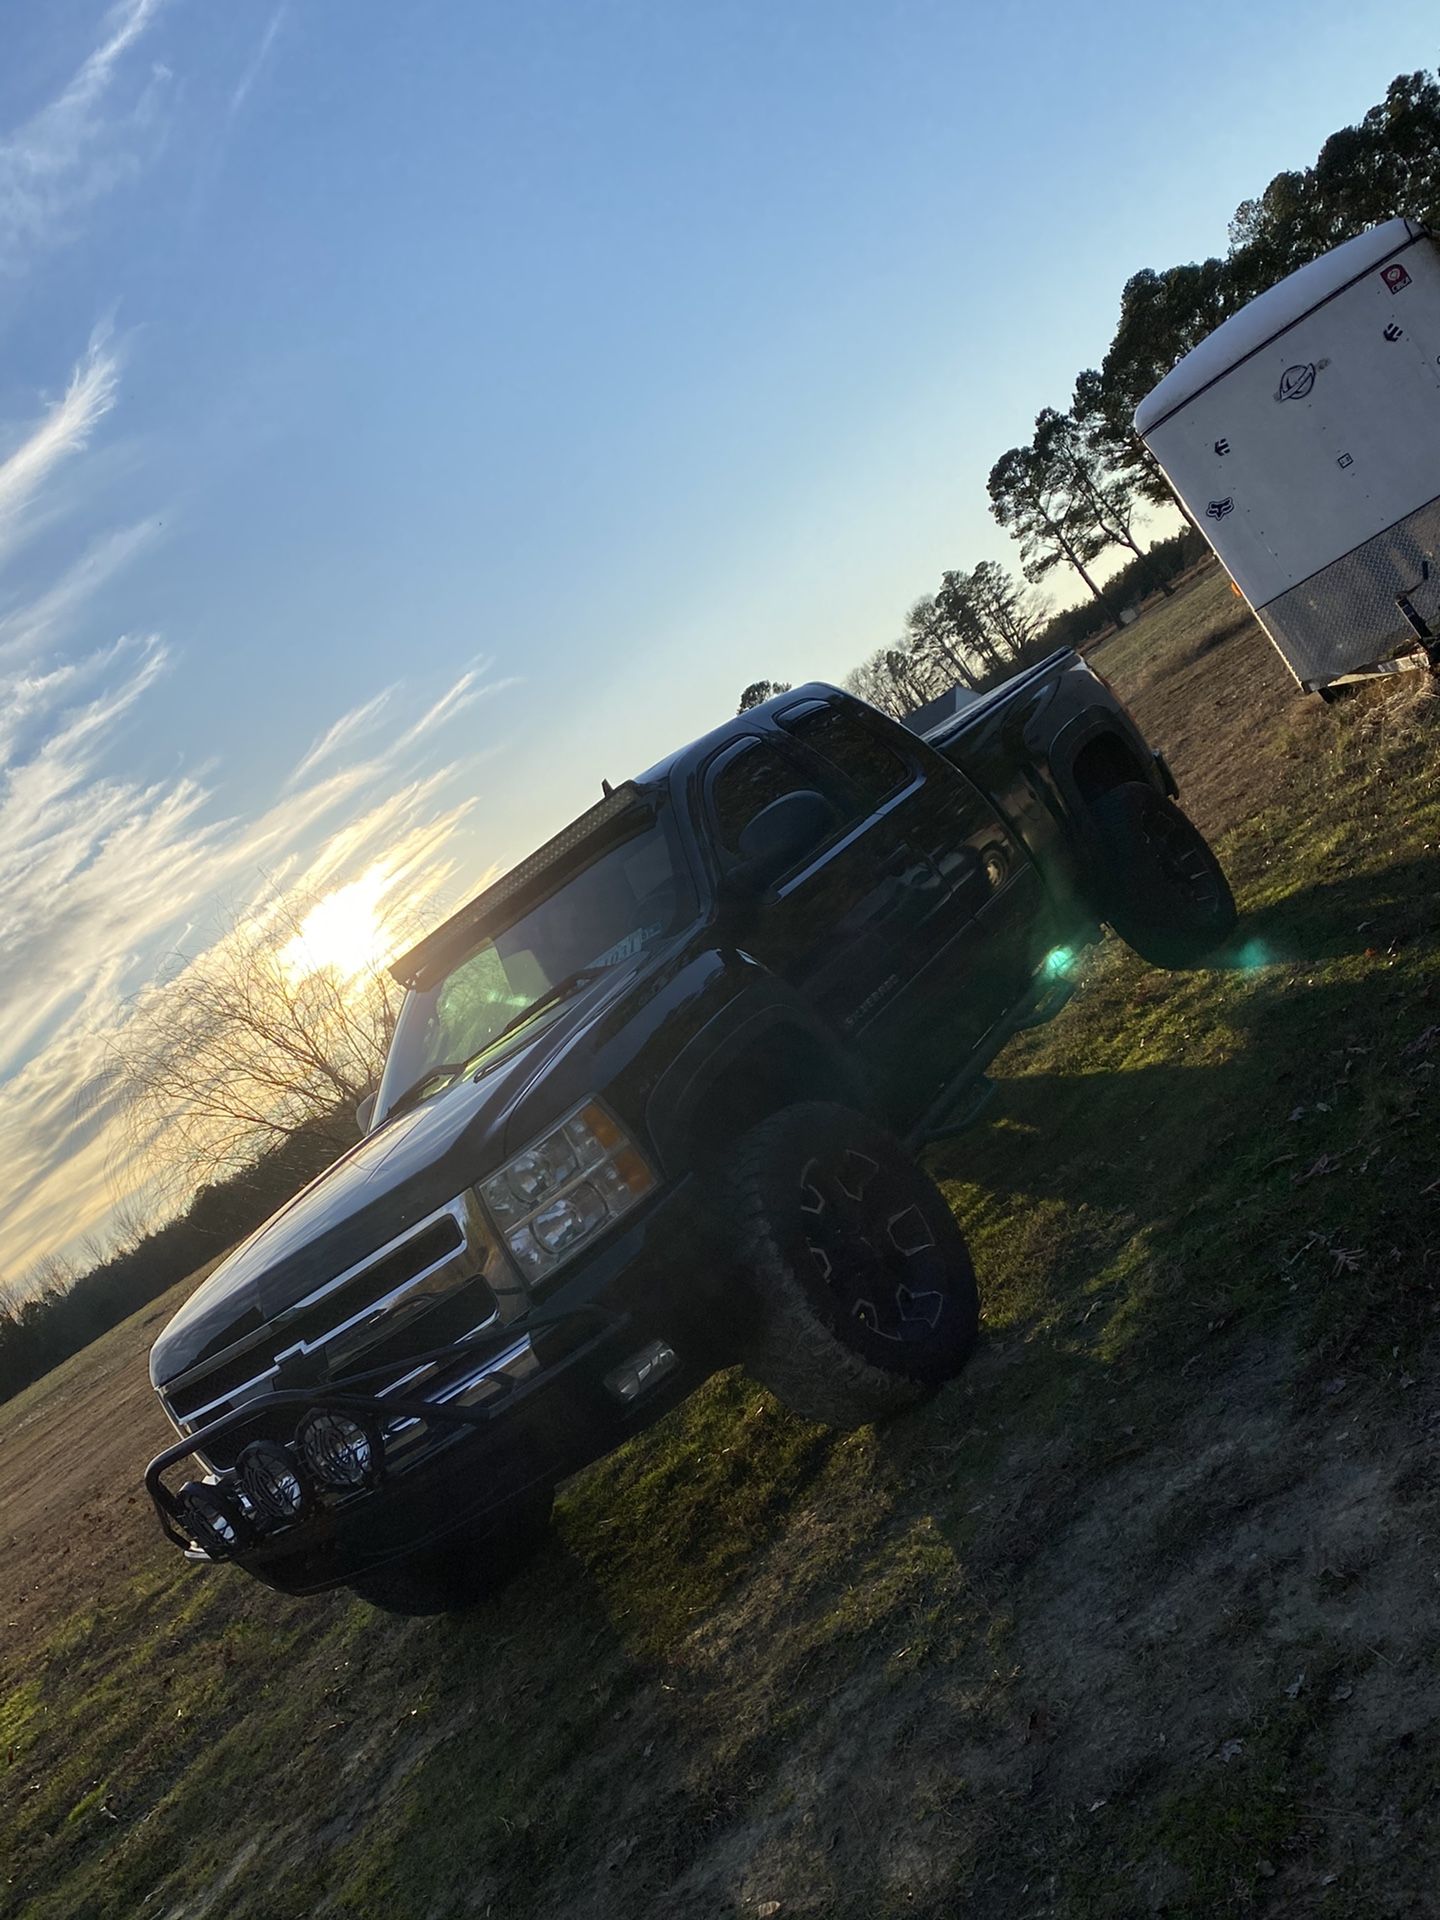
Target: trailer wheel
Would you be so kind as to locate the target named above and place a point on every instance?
(1161, 887)
(461, 1573)
(864, 1291)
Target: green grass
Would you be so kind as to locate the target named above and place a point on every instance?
(761, 1662)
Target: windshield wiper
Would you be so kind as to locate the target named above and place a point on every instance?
(561, 990)
(447, 1069)
(450, 1070)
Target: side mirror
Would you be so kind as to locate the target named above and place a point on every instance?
(781, 834)
(365, 1112)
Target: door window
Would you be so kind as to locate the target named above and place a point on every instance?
(745, 784)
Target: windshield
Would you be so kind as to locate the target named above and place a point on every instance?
(603, 916)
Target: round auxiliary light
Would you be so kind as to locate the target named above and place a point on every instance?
(212, 1518)
(271, 1481)
(342, 1452)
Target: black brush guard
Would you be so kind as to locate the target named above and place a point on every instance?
(350, 1398)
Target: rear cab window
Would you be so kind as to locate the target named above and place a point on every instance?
(869, 768)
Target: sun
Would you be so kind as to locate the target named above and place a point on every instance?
(344, 932)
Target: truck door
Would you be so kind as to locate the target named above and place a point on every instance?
(846, 924)
(978, 953)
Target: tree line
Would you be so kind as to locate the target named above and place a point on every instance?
(1075, 490)
(57, 1309)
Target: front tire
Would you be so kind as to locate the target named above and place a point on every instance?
(462, 1573)
(864, 1290)
(1161, 887)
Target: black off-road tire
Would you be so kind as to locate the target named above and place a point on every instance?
(1161, 887)
(462, 1573)
(864, 1294)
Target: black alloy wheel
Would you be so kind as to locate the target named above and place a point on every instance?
(1159, 884)
(862, 1290)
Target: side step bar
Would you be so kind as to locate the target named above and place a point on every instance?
(961, 1106)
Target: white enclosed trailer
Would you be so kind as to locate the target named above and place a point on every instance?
(1304, 437)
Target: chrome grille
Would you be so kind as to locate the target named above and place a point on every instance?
(440, 1280)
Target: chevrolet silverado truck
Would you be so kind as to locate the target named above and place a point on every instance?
(653, 1108)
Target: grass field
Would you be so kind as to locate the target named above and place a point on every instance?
(1138, 1618)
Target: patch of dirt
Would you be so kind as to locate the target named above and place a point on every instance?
(1254, 1568)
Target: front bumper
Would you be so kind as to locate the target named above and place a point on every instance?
(538, 1409)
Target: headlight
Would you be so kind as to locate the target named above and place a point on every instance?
(565, 1189)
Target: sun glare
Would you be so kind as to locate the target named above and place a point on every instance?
(345, 931)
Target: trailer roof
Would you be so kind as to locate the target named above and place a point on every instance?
(1269, 313)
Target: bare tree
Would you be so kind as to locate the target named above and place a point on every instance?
(1008, 610)
(933, 639)
(242, 1050)
(874, 681)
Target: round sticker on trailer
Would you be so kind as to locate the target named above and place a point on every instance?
(1395, 276)
(1296, 382)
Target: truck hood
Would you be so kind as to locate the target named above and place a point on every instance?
(384, 1184)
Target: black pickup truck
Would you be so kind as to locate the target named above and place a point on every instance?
(652, 1108)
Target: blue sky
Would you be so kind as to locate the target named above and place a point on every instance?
(551, 370)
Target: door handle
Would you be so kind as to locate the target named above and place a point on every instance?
(910, 868)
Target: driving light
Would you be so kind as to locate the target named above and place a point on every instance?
(341, 1452)
(271, 1481)
(567, 1187)
(212, 1518)
(642, 1370)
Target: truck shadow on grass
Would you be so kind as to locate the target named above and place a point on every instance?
(729, 1656)
(610, 1735)
(1256, 1123)
(1367, 911)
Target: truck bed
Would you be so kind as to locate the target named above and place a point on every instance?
(979, 713)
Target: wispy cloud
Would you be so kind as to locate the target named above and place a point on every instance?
(64, 430)
(46, 616)
(105, 871)
(470, 687)
(103, 874)
(76, 147)
(348, 727)
(261, 55)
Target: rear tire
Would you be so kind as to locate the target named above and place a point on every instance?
(865, 1294)
(1161, 887)
(459, 1575)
